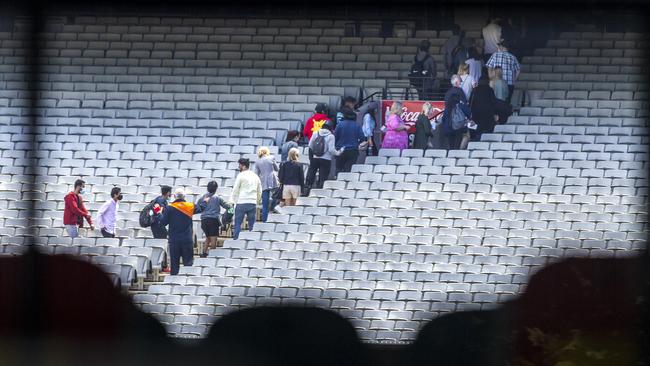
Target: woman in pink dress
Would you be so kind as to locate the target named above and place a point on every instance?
(396, 131)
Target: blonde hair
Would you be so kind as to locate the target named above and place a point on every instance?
(294, 154)
(396, 108)
(463, 69)
(426, 108)
(263, 151)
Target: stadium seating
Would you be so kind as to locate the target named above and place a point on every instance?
(401, 239)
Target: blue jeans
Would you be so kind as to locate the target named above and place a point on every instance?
(266, 197)
(178, 251)
(242, 209)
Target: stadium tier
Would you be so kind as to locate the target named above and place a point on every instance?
(403, 238)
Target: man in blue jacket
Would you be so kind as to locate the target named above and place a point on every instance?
(178, 216)
(158, 231)
(348, 135)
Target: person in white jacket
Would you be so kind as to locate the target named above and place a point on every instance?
(491, 37)
(246, 195)
(323, 163)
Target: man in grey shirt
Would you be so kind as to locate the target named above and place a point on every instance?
(211, 217)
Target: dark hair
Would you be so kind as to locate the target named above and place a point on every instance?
(79, 183)
(455, 29)
(328, 125)
(165, 190)
(212, 186)
(292, 134)
(321, 108)
(116, 191)
(348, 113)
(424, 45)
(348, 99)
(473, 53)
(245, 162)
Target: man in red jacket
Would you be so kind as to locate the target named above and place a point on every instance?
(75, 212)
(315, 122)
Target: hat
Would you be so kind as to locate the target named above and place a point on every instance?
(180, 193)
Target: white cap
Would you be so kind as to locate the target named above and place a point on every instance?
(180, 193)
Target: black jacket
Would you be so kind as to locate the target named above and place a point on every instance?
(422, 132)
(291, 174)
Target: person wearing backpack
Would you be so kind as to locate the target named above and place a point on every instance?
(159, 231)
(210, 217)
(322, 146)
(423, 72)
(454, 127)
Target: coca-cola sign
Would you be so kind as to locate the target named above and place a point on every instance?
(411, 110)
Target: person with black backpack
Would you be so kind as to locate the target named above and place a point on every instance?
(423, 72)
(322, 146)
(159, 231)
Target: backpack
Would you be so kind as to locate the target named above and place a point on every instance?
(418, 71)
(319, 147)
(145, 218)
(458, 117)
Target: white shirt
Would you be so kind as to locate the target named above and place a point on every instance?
(492, 37)
(474, 68)
(467, 84)
(107, 216)
(247, 188)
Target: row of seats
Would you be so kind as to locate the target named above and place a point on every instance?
(611, 71)
(129, 260)
(606, 49)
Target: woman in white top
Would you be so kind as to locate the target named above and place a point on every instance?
(467, 82)
(474, 62)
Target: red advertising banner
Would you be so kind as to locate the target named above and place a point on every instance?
(411, 110)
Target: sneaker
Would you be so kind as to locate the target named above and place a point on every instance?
(204, 255)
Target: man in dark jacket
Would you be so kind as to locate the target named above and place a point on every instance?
(426, 84)
(178, 215)
(158, 231)
(453, 97)
(348, 135)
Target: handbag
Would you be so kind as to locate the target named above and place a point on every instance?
(458, 117)
(277, 193)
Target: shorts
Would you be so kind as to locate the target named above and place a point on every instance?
(210, 226)
(291, 192)
(73, 230)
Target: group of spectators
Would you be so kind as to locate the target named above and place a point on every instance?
(469, 58)
(171, 219)
(482, 77)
